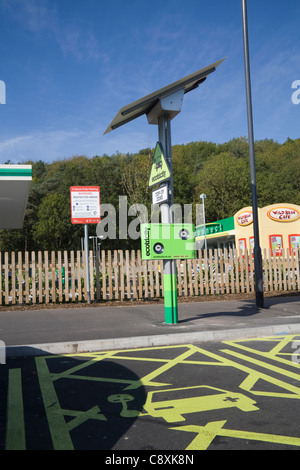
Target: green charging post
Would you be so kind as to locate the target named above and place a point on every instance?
(160, 108)
(168, 242)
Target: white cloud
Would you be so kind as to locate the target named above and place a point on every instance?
(45, 146)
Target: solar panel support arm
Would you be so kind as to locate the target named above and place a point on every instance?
(170, 105)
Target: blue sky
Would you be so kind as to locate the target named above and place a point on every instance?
(70, 65)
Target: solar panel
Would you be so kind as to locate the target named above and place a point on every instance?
(145, 105)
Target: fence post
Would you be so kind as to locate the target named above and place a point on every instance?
(127, 263)
(122, 294)
(200, 272)
(13, 277)
(47, 287)
(73, 284)
(103, 270)
(78, 272)
(40, 277)
(228, 273)
(134, 275)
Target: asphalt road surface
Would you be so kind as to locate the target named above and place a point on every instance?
(155, 403)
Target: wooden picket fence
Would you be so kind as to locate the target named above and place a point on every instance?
(43, 277)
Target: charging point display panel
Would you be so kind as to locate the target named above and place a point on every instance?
(168, 241)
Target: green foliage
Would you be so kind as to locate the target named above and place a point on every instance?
(220, 171)
(52, 228)
(225, 179)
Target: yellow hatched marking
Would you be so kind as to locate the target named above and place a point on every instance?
(277, 349)
(255, 376)
(84, 365)
(272, 353)
(266, 365)
(206, 434)
(147, 379)
(182, 359)
(82, 416)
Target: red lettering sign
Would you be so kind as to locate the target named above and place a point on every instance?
(283, 214)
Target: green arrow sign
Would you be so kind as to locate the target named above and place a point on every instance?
(160, 171)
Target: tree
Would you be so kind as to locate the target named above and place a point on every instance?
(53, 230)
(220, 171)
(225, 180)
(135, 176)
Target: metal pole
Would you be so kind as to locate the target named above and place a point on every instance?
(170, 276)
(203, 196)
(86, 249)
(257, 249)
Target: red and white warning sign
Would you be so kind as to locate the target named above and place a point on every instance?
(85, 204)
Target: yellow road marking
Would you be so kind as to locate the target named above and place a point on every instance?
(59, 431)
(206, 434)
(15, 428)
(255, 376)
(272, 354)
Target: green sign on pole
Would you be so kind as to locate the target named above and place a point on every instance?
(168, 241)
(160, 171)
(161, 107)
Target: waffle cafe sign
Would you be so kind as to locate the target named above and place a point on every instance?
(245, 218)
(283, 214)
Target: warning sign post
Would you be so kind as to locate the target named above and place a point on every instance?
(85, 209)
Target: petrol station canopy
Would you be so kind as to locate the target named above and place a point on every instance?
(15, 182)
(147, 103)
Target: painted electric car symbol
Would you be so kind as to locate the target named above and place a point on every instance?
(199, 398)
(124, 398)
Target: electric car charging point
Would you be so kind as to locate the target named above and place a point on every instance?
(160, 108)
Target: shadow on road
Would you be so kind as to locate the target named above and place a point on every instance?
(247, 308)
(67, 402)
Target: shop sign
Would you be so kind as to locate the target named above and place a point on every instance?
(283, 214)
(245, 218)
(209, 229)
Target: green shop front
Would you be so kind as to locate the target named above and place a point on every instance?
(219, 234)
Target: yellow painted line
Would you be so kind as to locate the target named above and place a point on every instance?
(278, 348)
(272, 353)
(97, 379)
(206, 434)
(15, 428)
(250, 381)
(80, 417)
(147, 379)
(70, 371)
(266, 365)
(58, 428)
(140, 358)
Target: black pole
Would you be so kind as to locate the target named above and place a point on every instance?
(257, 250)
